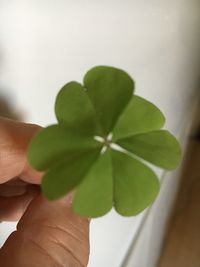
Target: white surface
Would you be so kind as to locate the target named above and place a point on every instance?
(46, 43)
(5, 229)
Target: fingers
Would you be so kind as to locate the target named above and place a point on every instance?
(12, 207)
(14, 187)
(49, 234)
(14, 140)
(9, 191)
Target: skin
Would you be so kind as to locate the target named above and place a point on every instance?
(48, 233)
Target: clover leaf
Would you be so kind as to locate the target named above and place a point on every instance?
(99, 148)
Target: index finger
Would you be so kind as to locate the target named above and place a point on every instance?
(14, 140)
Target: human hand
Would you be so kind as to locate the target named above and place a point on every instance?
(48, 233)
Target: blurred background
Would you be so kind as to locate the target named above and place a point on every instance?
(46, 43)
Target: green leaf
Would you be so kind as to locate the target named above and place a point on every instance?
(74, 108)
(94, 196)
(72, 158)
(140, 116)
(135, 185)
(158, 147)
(110, 90)
(67, 174)
(56, 142)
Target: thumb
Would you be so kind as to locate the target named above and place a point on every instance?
(48, 234)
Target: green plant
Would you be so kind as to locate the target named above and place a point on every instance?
(100, 146)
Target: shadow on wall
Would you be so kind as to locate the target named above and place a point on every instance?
(196, 134)
(6, 109)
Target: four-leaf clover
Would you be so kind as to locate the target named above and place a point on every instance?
(104, 136)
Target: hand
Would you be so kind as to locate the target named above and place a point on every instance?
(48, 234)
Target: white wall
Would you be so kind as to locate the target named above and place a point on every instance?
(46, 43)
